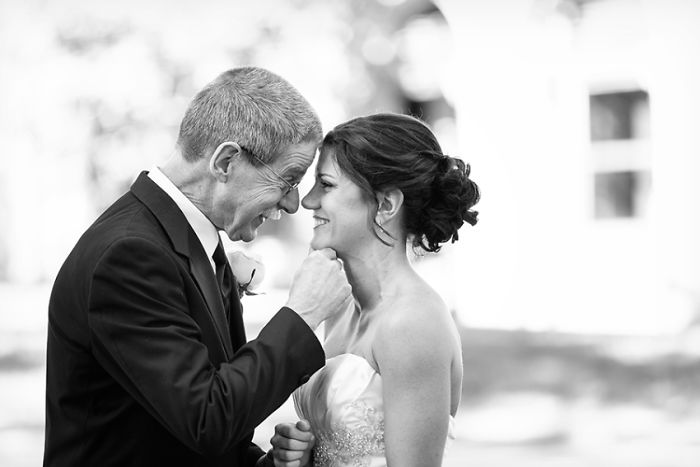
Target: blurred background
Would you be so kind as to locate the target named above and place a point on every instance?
(577, 294)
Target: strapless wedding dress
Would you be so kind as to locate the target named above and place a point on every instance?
(343, 402)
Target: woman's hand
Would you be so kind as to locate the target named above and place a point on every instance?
(292, 444)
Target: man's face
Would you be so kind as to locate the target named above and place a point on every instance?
(253, 194)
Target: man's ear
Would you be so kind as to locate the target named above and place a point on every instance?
(220, 162)
(389, 203)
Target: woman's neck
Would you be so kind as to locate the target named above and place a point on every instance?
(375, 273)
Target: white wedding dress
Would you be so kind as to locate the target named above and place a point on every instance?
(343, 402)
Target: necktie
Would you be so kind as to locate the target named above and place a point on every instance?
(223, 276)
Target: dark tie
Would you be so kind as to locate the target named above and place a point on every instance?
(223, 276)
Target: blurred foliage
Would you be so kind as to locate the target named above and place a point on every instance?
(126, 71)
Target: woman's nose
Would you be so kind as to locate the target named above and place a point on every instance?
(310, 201)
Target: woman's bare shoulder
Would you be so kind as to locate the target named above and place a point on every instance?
(417, 324)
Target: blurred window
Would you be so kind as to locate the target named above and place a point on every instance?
(619, 133)
(620, 115)
(620, 194)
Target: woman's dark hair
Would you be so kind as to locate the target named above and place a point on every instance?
(385, 151)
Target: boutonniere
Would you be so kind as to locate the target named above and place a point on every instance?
(248, 270)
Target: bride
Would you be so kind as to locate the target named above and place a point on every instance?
(393, 376)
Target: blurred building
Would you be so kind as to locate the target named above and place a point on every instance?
(578, 118)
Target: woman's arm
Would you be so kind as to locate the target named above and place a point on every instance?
(414, 360)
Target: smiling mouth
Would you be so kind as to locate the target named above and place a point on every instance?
(274, 215)
(318, 221)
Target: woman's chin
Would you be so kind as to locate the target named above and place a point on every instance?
(318, 244)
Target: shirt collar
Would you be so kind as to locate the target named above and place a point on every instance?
(206, 232)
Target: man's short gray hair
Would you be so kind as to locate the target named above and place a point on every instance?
(252, 106)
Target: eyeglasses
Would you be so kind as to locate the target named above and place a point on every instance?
(290, 186)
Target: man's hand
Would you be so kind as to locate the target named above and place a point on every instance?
(320, 288)
(292, 444)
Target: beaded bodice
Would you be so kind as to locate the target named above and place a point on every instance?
(343, 402)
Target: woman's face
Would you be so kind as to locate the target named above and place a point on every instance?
(341, 212)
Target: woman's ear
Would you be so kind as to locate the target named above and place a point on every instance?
(220, 162)
(389, 203)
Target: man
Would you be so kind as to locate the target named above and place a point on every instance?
(147, 361)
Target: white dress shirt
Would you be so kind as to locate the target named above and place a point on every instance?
(206, 232)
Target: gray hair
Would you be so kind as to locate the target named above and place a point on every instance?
(251, 106)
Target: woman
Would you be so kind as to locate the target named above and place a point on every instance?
(393, 376)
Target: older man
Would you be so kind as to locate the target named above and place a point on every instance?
(147, 361)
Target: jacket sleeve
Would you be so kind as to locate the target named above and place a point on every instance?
(256, 457)
(144, 337)
(265, 460)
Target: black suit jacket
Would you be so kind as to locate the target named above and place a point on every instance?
(142, 367)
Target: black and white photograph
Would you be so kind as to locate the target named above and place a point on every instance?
(341, 233)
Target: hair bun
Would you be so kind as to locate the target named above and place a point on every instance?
(452, 197)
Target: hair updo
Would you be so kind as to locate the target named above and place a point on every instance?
(385, 151)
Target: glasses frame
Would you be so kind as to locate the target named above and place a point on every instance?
(290, 186)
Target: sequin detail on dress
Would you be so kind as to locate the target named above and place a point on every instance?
(355, 447)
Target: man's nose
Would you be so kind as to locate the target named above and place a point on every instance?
(290, 202)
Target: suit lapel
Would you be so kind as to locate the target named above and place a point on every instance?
(186, 243)
(204, 276)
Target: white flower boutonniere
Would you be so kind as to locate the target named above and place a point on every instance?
(248, 270)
